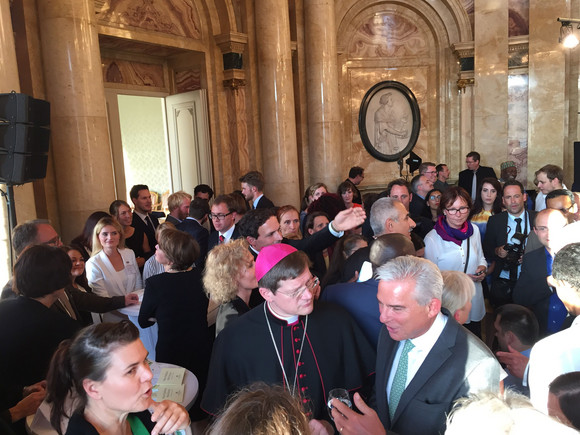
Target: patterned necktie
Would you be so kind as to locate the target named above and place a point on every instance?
(400, 379)
(222, 239)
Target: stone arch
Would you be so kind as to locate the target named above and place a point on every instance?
(424, 61)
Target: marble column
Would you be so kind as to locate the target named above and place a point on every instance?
(490, 129)
(278, 122)
(324, 129)
(547, 116)
(74, 87)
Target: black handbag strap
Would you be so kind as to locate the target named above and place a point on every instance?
(467, 259)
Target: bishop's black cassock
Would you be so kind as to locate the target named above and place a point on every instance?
(335, 355)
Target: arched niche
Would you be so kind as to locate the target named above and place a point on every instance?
(409, 42)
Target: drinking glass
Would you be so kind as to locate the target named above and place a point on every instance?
(340, 394)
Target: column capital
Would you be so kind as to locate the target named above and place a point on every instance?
(232, 42)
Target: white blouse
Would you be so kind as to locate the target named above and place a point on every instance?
(450, 256)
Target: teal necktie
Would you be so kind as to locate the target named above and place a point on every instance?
(400, 378)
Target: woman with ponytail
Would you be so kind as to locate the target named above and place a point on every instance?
(106, 367)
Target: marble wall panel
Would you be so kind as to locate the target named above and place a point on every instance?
(517, 150)
(174, 17)
(186, 81)
(420, 79)
(389, 45)
(133, 73)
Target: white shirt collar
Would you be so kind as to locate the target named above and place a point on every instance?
(228, 234)
(256, 200)
(426, 341)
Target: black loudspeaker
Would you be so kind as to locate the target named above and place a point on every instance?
(576, 181)
(21, 108)
(24, 140)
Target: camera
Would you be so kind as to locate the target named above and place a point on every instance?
(515, 250)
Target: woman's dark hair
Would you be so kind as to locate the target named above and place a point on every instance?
(115, 206)
(343, 249)
(180, 248)
(85, 239)
(345, 186)
(566, 388)
(450, 196)
(81, 279)
(41, 270)
(478, 203)
(87, 356)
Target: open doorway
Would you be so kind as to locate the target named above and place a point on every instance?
(159, 140)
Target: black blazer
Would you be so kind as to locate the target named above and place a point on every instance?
(213, 238)
(85, 303)
(417, 205)
(466, 177)
(532, 289)
(265, 203)
(458, 364)
(496, 235)
(173, 220)
(138, 223)
(201, 236)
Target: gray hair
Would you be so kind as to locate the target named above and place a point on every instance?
(382, 210)
(426, 276)
(458, 289)
(25, 234)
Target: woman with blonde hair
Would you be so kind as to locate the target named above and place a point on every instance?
(229, 278)
(262, 409)
(112, 269)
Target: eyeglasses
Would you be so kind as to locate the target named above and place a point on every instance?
(434, 197)
(55, 242)
(454, 211)
(219, 216)
(310, 285)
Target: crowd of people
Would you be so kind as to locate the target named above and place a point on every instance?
(419, 300)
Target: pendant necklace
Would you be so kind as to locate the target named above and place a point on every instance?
(278, 353)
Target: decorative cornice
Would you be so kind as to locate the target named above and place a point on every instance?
(232, 42)
(518, 43)
(463, 49)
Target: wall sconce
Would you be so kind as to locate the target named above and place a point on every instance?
(567, 37)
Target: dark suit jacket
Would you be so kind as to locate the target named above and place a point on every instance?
(201, 236)
(457, 365)
(496, 235)
(138, 223)
(265, 203)
(85, 303)
(532, 289)
(316, 242)
(417, 205)
(173, 220)
(466, 177)
(213, 239)
(360, 300)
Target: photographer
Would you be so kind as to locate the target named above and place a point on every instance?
(505, 241)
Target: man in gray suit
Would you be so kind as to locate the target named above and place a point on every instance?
(425, 359)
